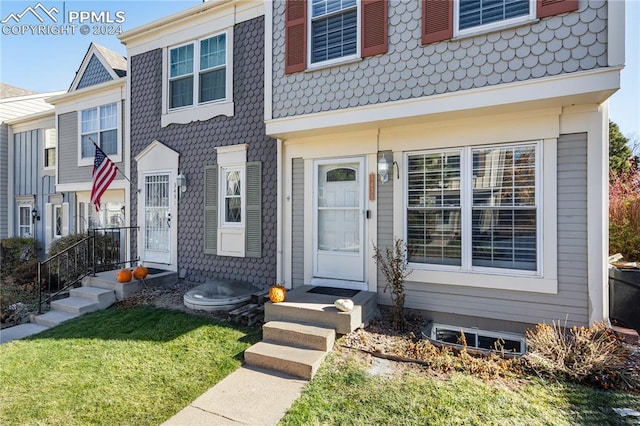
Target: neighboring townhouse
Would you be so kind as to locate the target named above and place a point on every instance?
(204, 170)
(93, 111)
(476, 132)
(27, 165)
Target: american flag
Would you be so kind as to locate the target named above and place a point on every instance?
(104, 171)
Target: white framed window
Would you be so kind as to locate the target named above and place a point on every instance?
(57, 221)
(334, 34)
(25, 222)
(50, 143)
(471, 16)
(232, 196)
(99, 125)
(197, 72)
(475, 209)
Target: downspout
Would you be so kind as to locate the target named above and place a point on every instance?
(279, 213)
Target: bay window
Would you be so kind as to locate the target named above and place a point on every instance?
(474, 207)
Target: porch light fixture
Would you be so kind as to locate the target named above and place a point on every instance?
(181, 181)
(34, 215)
(383, 169)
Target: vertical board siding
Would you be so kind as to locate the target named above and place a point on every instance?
(4, 180)
(297, 225)
(571, 302)
(26, 162)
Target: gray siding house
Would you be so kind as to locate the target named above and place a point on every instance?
(27, 164)
(204, 170)
(478, 136)
(93, 110)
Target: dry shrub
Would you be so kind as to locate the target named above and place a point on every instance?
(585, 355)
(624, 214)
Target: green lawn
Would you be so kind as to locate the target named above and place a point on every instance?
(345, 393)
(119, 366)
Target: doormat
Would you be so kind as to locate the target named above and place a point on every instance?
(333, 291)
(154, 271)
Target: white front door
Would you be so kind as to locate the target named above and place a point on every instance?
(338, 258)
(157, 218)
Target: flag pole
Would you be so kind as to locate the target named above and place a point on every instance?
(114, 164)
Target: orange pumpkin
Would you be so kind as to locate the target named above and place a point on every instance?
(124, 276)
(277, 293)
(140, 272)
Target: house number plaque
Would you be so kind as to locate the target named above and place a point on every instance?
(372, 186)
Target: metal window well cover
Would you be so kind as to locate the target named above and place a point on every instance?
(219, 295)
(431, 326)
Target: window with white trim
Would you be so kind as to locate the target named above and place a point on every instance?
(99, 125)
(232, 196)
(476, 14)
(25, 221)
(334, 30)
(57, 221)
(50, 143)
(474, 208)
(197, 72)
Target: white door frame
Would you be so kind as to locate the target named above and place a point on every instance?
(359, 280)
(145, 256)
(158, 158)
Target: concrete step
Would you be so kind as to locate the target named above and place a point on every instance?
(101, 296)
(301, 335)
(20, 331)
(298, 362)
(75, 305)
(107, 280)
(53, 318)
(301, 306)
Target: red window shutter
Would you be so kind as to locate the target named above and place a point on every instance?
(437, 20)
(374, 22)
(295, 36)
(554, 7)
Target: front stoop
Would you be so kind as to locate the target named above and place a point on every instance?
(107, 280)
(291, 360)
(313, 308)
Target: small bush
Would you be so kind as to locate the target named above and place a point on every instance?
(585, 355)
(624, 214)
(15, 251)
(393, 264)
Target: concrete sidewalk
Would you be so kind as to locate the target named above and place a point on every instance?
(20, 332)
(248, 396)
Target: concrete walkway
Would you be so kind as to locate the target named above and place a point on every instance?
(248, 396)
(20, 332)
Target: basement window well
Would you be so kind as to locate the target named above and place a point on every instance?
(480, 340)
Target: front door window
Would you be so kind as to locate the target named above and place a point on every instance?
(157, 215)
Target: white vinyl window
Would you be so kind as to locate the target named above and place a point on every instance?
(197, 72)
(99, 125)
(334, 30)
(57, 221)
(474, 208)
(232, 193)
(25, 229)
(476, 15)
(50, 143)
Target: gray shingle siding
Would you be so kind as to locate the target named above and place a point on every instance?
(547, 47)
(570, 303)
(196, 141)
(95, 73)
(68, 141)
(4, 182)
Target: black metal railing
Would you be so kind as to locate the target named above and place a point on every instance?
(103, 249)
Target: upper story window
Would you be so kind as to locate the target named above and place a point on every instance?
(197, 72)
(99, 125)
(474, 208)
(473, 14)
(334, 30)
(50, 142)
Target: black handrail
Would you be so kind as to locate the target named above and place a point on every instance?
(101, 250)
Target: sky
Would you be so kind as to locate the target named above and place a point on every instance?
(49, 62)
